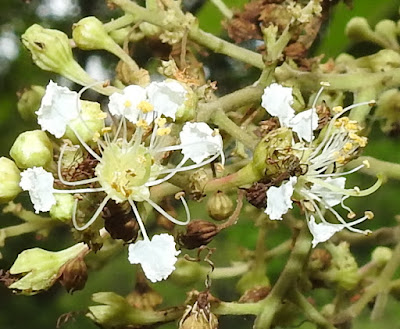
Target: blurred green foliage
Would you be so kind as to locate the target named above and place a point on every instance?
(42, 311)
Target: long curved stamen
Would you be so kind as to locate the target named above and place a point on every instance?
(86, 146)
(340, 173)
(118, 129)
(164, 179)
(139, 220)
(349, 192)
(194, 166)
(332, 122)
(92, 219)
(81, 182)
(168, 216)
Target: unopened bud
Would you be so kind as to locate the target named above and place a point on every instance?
(198, 233)
(381, 255)
(387, 30)
(389, 109)
(358, 29)
(219, 206)
(144, 297)
(9, 180)
(73, 275)
(89, 123)
(186, 111)
(119, 221)
(63, 208)
(89, 34)
(29, 101)
(187, 273)
(320, 260)
(32, 149)
(51, 51)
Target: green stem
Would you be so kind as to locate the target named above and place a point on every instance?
(246, 96)
(389, 169)
(292, 270)
(382, 284)
(309, 310)
(225, 308)
(223, 122)
(223, 8)
(310, 81)
(227, 272)
(119, 23)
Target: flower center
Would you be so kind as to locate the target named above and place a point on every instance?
(123, 169)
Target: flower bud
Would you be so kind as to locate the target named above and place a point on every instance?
(143, 297)
(387, 30)
(320, 260)
(89, 34)
(119, 221)
(29, 102)
(252, 279)
(219, 206)
(358, 29)
(40, 268)
(63, 208)
(51, 51)
(198, 233)
(9, 180)
(187, 273)
(32, 149)
(73, 274)
(115, 311)
(382, 61)
(89, 124)
(381, 255)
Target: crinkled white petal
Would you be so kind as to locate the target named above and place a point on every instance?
(199, 141)
(58, 108)
(39, 183)
(322, 232)
(166, 97)
(156, 256)
(125, 103)
(304, 123)
(279, 199)
(277, 100)
(331, 198)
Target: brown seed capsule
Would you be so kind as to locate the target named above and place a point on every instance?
(255, 294)
(198, 233)
(73, 274)
(143, 296)
(120, 222)
(219, 206)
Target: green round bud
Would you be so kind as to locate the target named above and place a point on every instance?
(358, 29)
(389, 110)
(383, 61)
(50, 49)
(381, 255)
(29, 102)
(387, 29)
(251, 280)
(89, 34)
(187, 111)
(88, 125)
(9, 180)
(32, 149)
(63, 208)
(219, 206)
(187, 273)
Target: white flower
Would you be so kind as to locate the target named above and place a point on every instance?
(126, 104)
(166, 97)
(39, 183)
(322, 232)
(304, 123)
(326, 195)
(156, 256)
(58, 107)
(277, 100)
(199, 141)
(279, 199)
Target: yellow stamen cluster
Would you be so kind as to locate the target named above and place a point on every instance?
(161, 122)
(163, 131)
(145, 107)
(142, 123)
